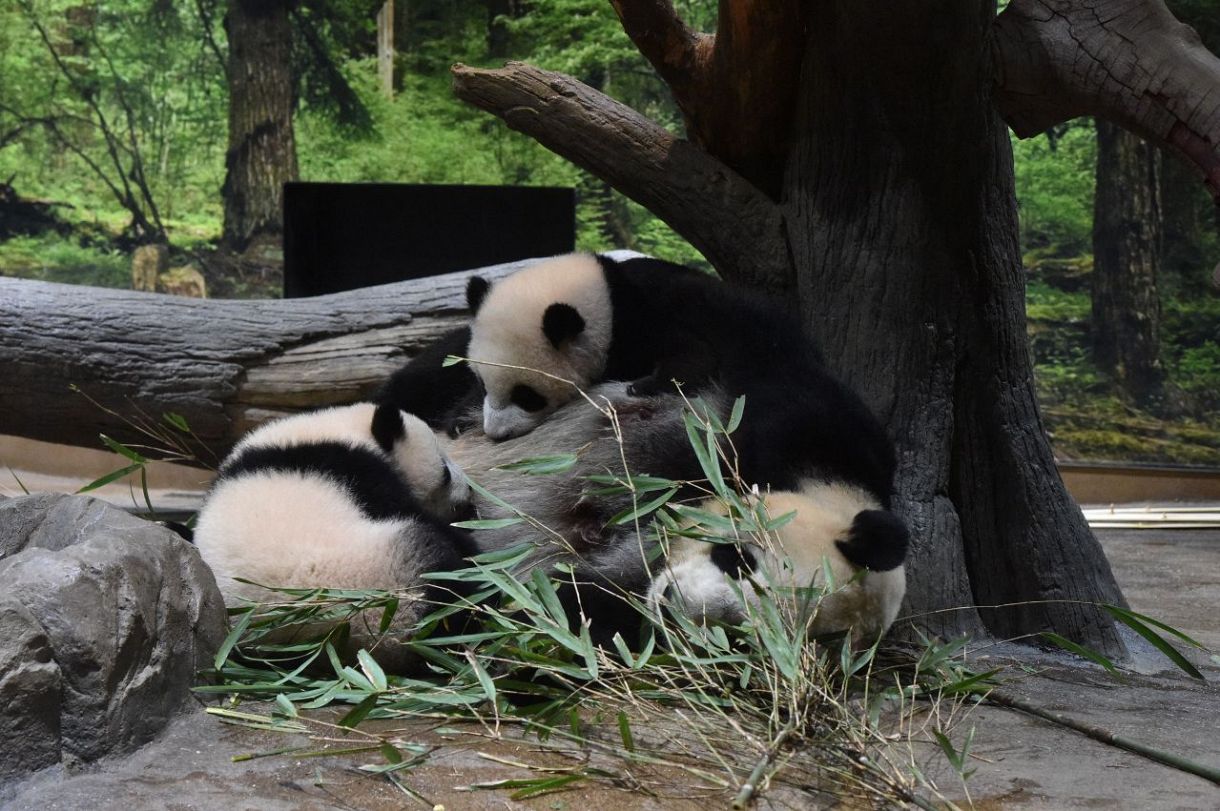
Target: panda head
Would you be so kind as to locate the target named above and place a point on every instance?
(834, 525)
(537, 337)
(435, 481)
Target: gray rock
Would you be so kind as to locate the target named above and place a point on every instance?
(104, 621)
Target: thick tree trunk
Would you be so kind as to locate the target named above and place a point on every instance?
(262, 153)
(903, 227)
(1126, 254)
(897, 239)
(223, 365)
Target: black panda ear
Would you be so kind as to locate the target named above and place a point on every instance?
(388, 427)
(561, 323)
(476, 291)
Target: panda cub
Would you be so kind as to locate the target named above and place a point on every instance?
(836, 527)
(357, 496)
(579, 319)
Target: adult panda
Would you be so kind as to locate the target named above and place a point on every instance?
(358, 496)
(838, 520)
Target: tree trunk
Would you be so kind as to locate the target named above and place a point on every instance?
(225, 366)
(903, 226)
(1126, 252)
(897, 240)
(262, 154)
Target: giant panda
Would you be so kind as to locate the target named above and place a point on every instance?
(838, 520)
(358, 497)
(575, 320)
(839, 543)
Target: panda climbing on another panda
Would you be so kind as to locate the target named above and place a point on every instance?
(805, 439)
(359, 496)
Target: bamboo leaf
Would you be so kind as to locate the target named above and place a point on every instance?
(488, 523)
(1129, 619)
(739, 407)
(360, 711)
(110, 477)
(122, 450)
(630, 515)
(372, 670)
(624, 731)
(1080, 650)
(177, 421)
(452, 360)
(222, 653)
(541, 465)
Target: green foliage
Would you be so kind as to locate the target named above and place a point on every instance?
(1055, 190)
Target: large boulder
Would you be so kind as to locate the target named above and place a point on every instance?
(105, 620)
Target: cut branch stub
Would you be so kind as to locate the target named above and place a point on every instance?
(734, 224)
(1128, 61)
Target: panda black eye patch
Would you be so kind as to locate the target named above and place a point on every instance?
(446, 476)
(526, 398)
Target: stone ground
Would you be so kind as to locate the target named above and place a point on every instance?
(1022, 762)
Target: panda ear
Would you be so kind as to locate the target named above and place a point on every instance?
(476, 291)
(388, 426)
(561, 323)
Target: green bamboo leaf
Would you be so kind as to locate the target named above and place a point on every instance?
(390, 753)
(739, 407)
(630, 515)
(485, 681)
(286, 707)
(222, 653)
(488, 523)
(177, 421)
(387, 615)
(452, 360)
(372, 670)
(1079, 650)
(122, 450)
(360, 711)
(624, 731)
(541, 465)
(110, 477)
(1152, 621)
(1128, 618)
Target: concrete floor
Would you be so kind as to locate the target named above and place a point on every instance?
(1022, 762)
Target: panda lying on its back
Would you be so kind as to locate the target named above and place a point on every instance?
(358, 496)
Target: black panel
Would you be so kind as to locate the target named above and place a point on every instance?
(341, 236)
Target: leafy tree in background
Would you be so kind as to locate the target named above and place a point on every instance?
(119, 89)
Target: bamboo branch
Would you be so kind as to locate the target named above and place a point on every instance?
(1128, 61)
(736, 226)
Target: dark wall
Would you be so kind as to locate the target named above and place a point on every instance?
(341, 236)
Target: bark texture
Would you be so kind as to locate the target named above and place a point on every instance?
(1126, 258)
(262, 153)
(904, 237)
(223, 365)
(1128, 61)
(736, 89)
(736, 226)
(894, 232)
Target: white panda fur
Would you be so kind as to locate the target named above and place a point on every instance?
(306, 522)
(612, 557)
(507, 345)
(793, 557)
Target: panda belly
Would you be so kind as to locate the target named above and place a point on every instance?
(291, 530)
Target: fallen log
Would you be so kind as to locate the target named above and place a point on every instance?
(223, 365)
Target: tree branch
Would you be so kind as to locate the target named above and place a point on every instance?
(737, 89)
(736, 226)
(1128, 61)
